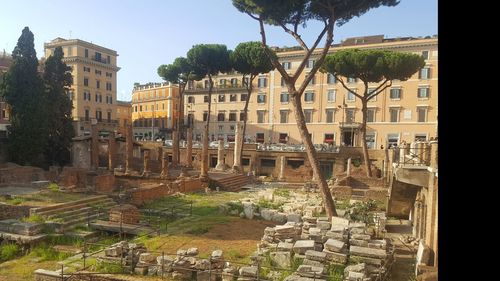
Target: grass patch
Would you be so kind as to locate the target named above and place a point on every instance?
(282, 192)
(34, 218)
(335, 272)
(47, 253)
(264, 203)
(53, 187)
(108, 267)
(64, 240)
(9, 251)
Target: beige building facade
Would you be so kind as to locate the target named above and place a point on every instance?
(5, 62)
(123, 115)
(94, 71)
(154, 109)
(406, 111)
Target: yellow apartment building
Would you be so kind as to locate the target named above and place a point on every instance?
(123, 115)
(404, 112)
(93, 92)
(153, 109)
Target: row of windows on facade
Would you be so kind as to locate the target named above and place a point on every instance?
(424, 73)
(98, 57)
(98, 115)
(109, 85)
(148, 108)
(97, 72)
(350, 114)
(98, 97)
(148, 122)
(150, 95)
(395, 94)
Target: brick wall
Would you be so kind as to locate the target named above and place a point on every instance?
(342, 192)
(71, 176)
(13, 212)
(20, 175)
(105, 183)
(142, 195)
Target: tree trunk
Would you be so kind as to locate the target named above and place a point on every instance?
(204, 152)
(245, 110)
(175, 145)
(363, 139)
(311, 154)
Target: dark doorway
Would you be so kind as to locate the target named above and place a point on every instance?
(348, 138)
(326, 168)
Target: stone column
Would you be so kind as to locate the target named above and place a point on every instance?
(129, 150)
(111, 151)
(189, 150)
(238, 142)
(349, 166)
(434, 154)
(221, 165)
(146, 170)
(164, 165)
(282, 168)
(95, 148)
(175, 148)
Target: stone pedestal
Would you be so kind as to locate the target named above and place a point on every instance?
(221, 165)
(111, 151)
(125, 214)
(164, 165)
(129, 150)
(204, 157)
(189, 150)
(146, 170)
(238, 143)
(282, 168)
(349, 167)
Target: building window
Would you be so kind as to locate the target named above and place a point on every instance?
(109, 74)
(205, 98)
(370, 140)
(370, 115)
(109, 59)
(309, 97)
(425, 73)
(420, 137)
(220, 116)
(98, 72)
(422, 114)
(262, 82)
(108, 86)
(140, 108)
(425, 55)
(233, 97)
(283, 84)
(109, 100)
(232, 116)
(308, 115)
(350, 96)
(86, 69)
(259, 137)
(222, 83)
(190, 99)
(135, 108)
(86, 53)
(287, 65)
(284, 97)
(329, 138)
(109, 116)
(85, 81)
(370, 92)
(221, 128)
(87, 115)
(206, 84)
(98, 115)
(330, 78)
(261, 98)
(394, 114)
(423, 93)
(350, 115)
(330, 95)
(234, 82)
(395, 94)
(86, 96)
(313, 81)
(98, 84)
(283, 138)
(205, 116)
(260, 116)
(283, 116)
(243, 97)
(352, 80)
(310, 63)
(242, 116)
(222, 98)
(330, 115)
(392, 140)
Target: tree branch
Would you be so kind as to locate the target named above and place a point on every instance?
(295, 35)
(345, 86)
(274, 60)
(382, 89)
(252, 16)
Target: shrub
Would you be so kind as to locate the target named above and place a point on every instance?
(34, 218)
(9, 251)
(53, 187)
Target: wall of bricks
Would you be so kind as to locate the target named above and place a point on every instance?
(13, 212)
(20, 175)
(105, 183)
(71, 176)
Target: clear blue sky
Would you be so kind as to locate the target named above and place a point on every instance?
(149, 33)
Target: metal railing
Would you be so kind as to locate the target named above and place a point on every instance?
(415, 154)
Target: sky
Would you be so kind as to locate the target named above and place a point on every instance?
(148, 33)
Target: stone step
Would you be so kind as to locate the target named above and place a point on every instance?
(68, 224)
(60, 205)
(68, 206)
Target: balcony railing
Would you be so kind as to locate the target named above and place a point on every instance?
(414, 154)
(101, 59)
(102, 121)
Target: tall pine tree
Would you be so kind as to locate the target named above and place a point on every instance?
(23, 91)
(57, 78)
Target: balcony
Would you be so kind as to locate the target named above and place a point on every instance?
(100, 59)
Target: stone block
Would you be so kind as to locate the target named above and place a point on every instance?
(311, 262)
(334, 245)
(377, 244)
(360, 243)
(339, 228)
(147, 258)
(336, 236)
(192, 251)
(340, 221)
(355, 276)
(113, 252)
(217, 254)
(323, 225)
(367, 252)
(141, 270)
(293, 218)
(335, 257)
(248, 271)
(285, 246)
(318, 246)
(206, 276)
(315, 255)
(361, 237)
(301, 246)
(310, 271)
(367, 260)
(267, 214)
(281, 259)
(279, 217)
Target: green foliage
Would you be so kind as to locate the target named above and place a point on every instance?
(57, 78)
(264, 203)
(34, 218)
(46, 253)
(250, 58)
(335, 272)
(22, 89)
(16, 201)
(64, 240)
(53, 187)
(108, 267)
(296, 262)
(209, 59)
(9, 251)
(198, 230)
(235, 206)
(282, 192)
(360, 211)
(179, 72)
(356, 162)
